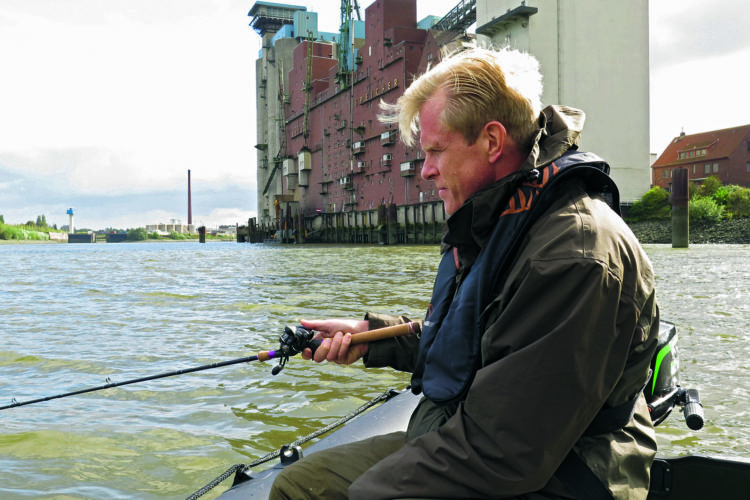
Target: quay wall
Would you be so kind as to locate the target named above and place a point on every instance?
(414, 224)
(392, 224)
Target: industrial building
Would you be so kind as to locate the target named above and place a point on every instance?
(328, 170)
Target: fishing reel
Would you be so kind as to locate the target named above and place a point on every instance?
(293, 342)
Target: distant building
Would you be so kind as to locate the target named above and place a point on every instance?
(174, 225)
(321, 148)
(722, 153)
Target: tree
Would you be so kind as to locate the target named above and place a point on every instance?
(2, 219)
(41, 221)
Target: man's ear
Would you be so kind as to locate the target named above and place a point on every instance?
(495, 135)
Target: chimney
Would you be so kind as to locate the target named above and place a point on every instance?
(190, 203)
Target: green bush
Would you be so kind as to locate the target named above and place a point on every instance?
(721, 196)
(738, 202)
(10, 232)
(177, 236)
(709, 187)
(153, 235)
(18, 233)
(653, 205)
(705, 209)
(137, 234)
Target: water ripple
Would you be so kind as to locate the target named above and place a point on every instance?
(75, 315)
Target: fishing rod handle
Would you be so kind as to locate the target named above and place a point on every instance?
(266, 355)
(387, 332)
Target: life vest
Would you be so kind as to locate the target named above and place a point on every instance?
(450, 343)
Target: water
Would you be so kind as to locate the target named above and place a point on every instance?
(75, 315)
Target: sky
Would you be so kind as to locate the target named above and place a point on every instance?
(105, 105)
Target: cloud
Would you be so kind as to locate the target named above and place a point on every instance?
(106, 106)
(24, 196)
(693, 30)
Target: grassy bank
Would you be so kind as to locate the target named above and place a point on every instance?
(8, 232)
(724, 231)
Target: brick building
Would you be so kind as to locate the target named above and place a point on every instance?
(325, 159)
(321, 150)
(722, 153)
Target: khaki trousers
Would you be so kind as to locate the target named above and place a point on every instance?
(327, 474)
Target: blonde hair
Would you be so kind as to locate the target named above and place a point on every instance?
(482, 85)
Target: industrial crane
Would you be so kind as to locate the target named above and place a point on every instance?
(345, 41)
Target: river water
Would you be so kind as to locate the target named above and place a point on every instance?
(77, 316)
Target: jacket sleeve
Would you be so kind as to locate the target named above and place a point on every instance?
(399, 353)
(550, 360)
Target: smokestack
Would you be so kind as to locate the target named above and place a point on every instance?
(190, 203)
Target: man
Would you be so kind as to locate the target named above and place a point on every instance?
(543, 318)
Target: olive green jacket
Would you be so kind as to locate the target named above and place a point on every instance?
(571, 331)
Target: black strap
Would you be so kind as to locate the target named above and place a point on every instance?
(574, 473)
(578, 478)
(612, 419)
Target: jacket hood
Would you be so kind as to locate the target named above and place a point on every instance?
(560, 130)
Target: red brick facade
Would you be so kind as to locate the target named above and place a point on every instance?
(721, 153)
(352, 162)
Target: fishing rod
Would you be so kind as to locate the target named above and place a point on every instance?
(292, 342)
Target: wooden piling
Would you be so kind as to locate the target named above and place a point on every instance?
(680, 208)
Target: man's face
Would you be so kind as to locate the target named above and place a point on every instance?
(458, 169)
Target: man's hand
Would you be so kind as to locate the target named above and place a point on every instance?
(335, 335)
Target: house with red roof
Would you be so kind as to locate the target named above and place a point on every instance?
(722, 153)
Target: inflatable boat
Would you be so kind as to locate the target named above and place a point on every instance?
(673, 478)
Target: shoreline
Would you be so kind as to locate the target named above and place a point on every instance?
(733, 231)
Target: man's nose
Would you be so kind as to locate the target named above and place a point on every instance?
(428, 171)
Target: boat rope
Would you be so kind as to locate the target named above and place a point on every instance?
(240, 468)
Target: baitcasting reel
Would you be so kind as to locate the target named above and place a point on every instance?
(293, 342)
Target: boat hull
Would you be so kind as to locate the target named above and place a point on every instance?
(681, 478)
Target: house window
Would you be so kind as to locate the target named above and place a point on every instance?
(707, 168)
(664, 173)
(695, 168)
(716, 168)
(747, 165)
